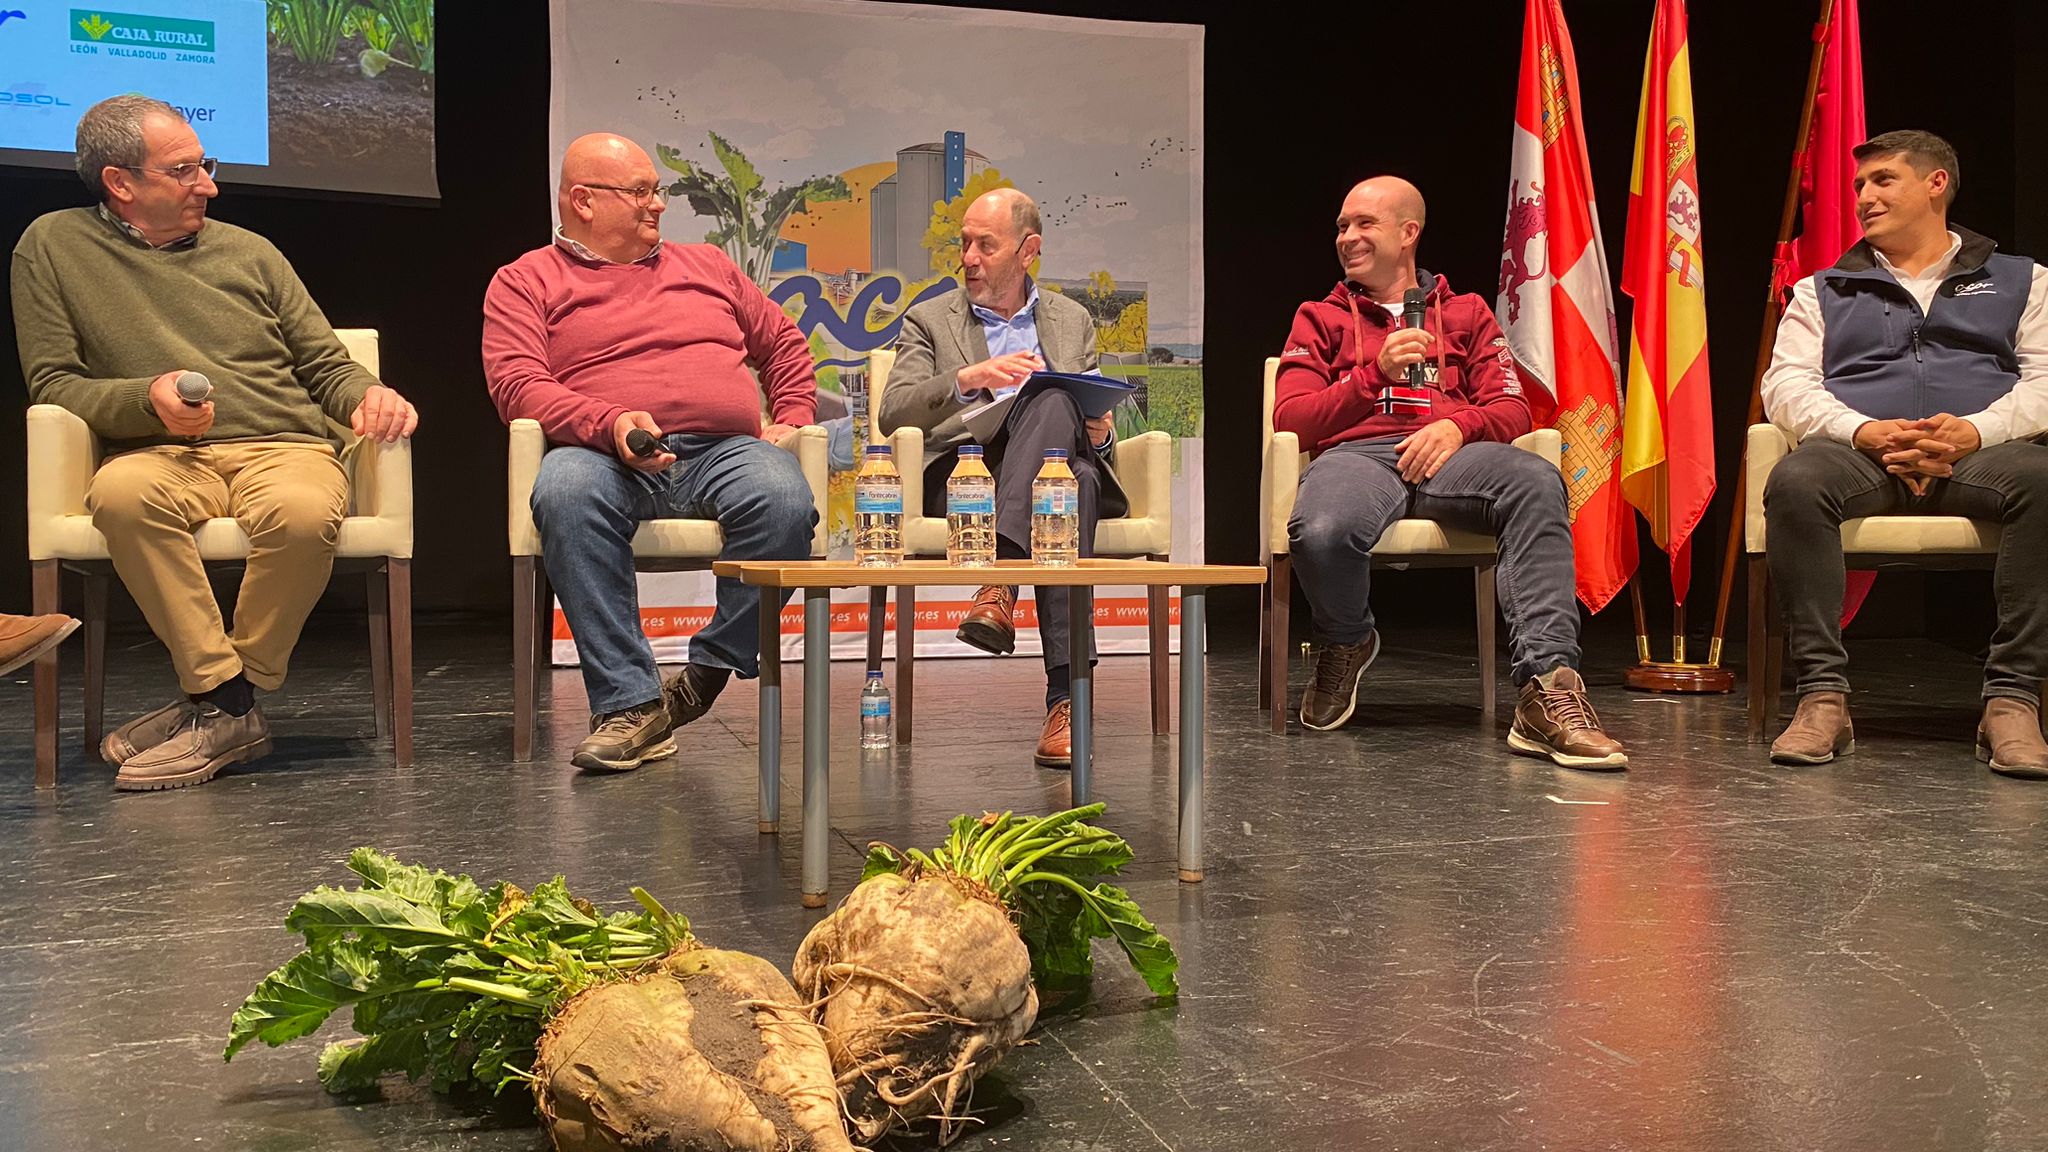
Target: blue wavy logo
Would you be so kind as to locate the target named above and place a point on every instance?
(850, 328)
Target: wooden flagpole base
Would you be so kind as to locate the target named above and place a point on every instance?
(1665, 676)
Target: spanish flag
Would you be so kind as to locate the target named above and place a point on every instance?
(1667, 456)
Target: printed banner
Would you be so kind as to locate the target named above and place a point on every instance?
(866, 129)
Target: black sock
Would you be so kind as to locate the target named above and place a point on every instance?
(708, 678)
(234, 696)
(1057, 688)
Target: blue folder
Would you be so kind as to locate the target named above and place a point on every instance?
(1095, 394)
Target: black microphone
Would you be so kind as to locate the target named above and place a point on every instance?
(193, 388)
(642, 443)
(1412, 304)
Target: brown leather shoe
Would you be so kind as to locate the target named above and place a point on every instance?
(2009, 739)
(1332, 693)
(23, 638)
(208, 741)
(1820, 731)
(145, 732)
(991, 624)
(1555, 719)
(1056, 741)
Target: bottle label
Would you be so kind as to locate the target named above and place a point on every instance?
(877, 503)
(873, 708)
(971, 505)
(1055, 502)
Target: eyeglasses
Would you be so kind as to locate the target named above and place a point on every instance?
(185, 174)
(638, 192)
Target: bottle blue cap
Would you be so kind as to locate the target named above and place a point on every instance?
(874, 674)
(1055, 453)
(878, 450)
(970, 449)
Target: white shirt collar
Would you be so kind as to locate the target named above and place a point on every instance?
(582, 251)
(1935, 271)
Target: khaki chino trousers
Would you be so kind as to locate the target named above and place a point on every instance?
(289, 497)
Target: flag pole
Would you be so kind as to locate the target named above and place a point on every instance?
(1773, 312)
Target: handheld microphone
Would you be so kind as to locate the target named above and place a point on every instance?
(193, 388)
(1412, 304)
(642, 443)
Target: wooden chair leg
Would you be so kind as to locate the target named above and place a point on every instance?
(1283, 596)
(878, 625)
(47, 595)
(1774, 651)
(95, 617)
(906, 661)
(379, 585)
(1158, 608)
(401, 659)
(525, 654)
(1266, 642)
(1483, 600)
(1761, 688)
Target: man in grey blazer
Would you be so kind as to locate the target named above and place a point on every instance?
(974, 346)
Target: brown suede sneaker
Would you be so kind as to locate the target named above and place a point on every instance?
(1056, 739)
(145, 732)
(991, 624)
(1820, 731)
(1332, 694)
(622, 741)
(207, 741)
(1555, 719)
(23, 638)
(2009, 739)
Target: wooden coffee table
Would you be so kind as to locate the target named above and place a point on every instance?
(817, 578)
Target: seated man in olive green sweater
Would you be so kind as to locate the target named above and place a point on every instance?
(112, 305)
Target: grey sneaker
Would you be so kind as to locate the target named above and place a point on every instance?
(1332, 694)
(689, 694)
(206, 741)
(622, 741)
(145, 732)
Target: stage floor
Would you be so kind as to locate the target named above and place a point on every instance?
(1409, 937)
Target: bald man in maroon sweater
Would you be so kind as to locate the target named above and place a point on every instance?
(611, 330)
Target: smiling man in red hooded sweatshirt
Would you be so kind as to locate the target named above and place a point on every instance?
(1419, 422)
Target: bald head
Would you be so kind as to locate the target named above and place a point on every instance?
(999, 238)
(1000, 206)
(1377, 230)
(607, 199)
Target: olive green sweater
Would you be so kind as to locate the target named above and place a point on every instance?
(99, 314)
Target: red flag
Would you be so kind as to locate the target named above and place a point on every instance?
(1667, 460)
(1827, 184)
(1556, 306)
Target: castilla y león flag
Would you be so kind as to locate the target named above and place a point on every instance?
(1667, 457)
(1555, 304)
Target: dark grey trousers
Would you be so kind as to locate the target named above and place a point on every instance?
(1352, 492)
(1824, 482)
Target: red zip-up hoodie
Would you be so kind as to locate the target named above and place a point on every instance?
(1330, 389)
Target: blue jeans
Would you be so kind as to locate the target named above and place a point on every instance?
(587, 506)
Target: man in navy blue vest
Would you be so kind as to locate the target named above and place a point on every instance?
(1913, 375)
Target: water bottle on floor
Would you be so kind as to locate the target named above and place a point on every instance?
(878, 510)
(874, 713)
(971, 512)
(1055, 513)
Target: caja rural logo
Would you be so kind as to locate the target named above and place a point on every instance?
(146, 37)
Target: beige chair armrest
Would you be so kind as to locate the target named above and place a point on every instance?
(907, 446)
(1766, 446)
(1544, 442)
(522, 468)
(813, 455)
(381, 481)
(62, 453)
(1281, 479)
(1144, 466)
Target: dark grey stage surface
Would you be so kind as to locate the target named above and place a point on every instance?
(1409, 937)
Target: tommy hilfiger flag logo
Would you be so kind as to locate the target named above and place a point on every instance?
(1398, 399)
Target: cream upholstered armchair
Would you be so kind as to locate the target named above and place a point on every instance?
(1867, 542)
(669, 545)
(376, 538)
(1405, 544)
(1144, 466)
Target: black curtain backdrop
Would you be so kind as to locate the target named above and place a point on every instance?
(1298, 108)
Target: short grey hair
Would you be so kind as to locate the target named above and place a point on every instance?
(110, 133)
(1024, 217)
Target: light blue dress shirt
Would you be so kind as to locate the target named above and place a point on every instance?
(1019, 333)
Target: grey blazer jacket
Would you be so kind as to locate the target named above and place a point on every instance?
(941, 336)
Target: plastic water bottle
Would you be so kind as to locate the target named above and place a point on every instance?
(874, 713)
(878, 510)
(1055, 513)
(971, 512)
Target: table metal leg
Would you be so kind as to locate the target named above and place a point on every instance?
(1081, 685)
(1193, 723)
(771, 711)
(817, 742)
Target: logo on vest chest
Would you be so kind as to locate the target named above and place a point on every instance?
(1976, 288)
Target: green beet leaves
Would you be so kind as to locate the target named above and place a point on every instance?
(445, 980)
